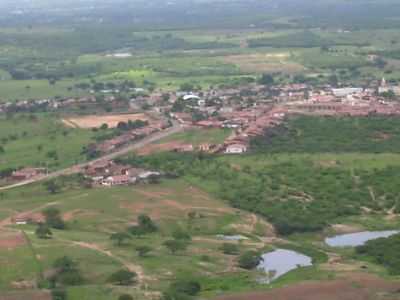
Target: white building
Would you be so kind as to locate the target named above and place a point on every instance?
(343, 92)
(236, 149)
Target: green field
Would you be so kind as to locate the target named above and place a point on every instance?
(199, 136)
(40, 140)
(167, 59)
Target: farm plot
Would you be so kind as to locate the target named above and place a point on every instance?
(94, 121)
(265, 63)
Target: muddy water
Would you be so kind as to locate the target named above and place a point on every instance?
(358, 238)
(281, 261)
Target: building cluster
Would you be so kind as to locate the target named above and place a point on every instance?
(132, 135)
(252, 109)
(248, 110)
(109, 173)
(27, 173)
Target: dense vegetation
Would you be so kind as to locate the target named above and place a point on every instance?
(306, 39)
(300, 195)
(374, 134)
(384, 251)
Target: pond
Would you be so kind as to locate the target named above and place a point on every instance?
(358, 238)
(281, 261)
(231, 237)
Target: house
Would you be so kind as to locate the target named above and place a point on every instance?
(27, 173)
(236, 149)
(21, 221)
(117, 180)
(343, 92)
(148, 174)
(99, 167)
(184, 148)
(191, 97)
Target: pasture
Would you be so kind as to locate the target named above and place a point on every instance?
(92, 215)
(39, 140)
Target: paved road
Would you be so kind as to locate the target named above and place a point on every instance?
(124, 150)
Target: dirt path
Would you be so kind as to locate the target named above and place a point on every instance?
(130, 266)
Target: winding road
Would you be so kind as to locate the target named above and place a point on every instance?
(121, 151)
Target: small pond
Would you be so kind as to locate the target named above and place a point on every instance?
(358, 238)
(231, 237)
(281, 261)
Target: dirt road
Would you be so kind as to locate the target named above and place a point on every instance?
(122, 151)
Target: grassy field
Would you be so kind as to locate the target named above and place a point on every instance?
(199, 136)
(92, 214)
(40, 140)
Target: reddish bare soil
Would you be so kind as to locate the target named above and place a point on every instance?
(95, 121)
(11, 240)
(34, 295)
(354, 287)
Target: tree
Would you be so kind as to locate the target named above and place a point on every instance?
(266, 79)
(52, 154)
(175, 245)
(182, 290)
(53, 218)
(122, 277)
(143, 250)
(179, 234)
(64, 264)
(389, 95)
(104, 126)
(59, 294)
(120, 237)
(145, 226)
(249, 260)
(188, 287)
(52, 186)
(67, 271)
(230, 249)
(125, 297)
(43, 231)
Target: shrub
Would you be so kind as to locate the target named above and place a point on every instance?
(249, 260)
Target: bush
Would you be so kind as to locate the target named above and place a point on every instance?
(59, 294)
(188, 287)
(229, 249)
(67, 272)
(249, 260)
(125, 297)
(122, 277)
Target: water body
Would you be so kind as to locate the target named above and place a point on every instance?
(281, 261)
(231, 237)
(358, 238)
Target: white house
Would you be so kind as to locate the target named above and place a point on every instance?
(236, 149)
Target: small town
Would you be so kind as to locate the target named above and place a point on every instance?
(248, 111)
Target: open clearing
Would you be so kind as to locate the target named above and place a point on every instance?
(26, 295)
(265, 63)
(354, 287)
(11, 240)
(95, 121)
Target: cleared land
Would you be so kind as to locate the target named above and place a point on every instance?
(95, 121)
(265, 63)
(353, 287)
